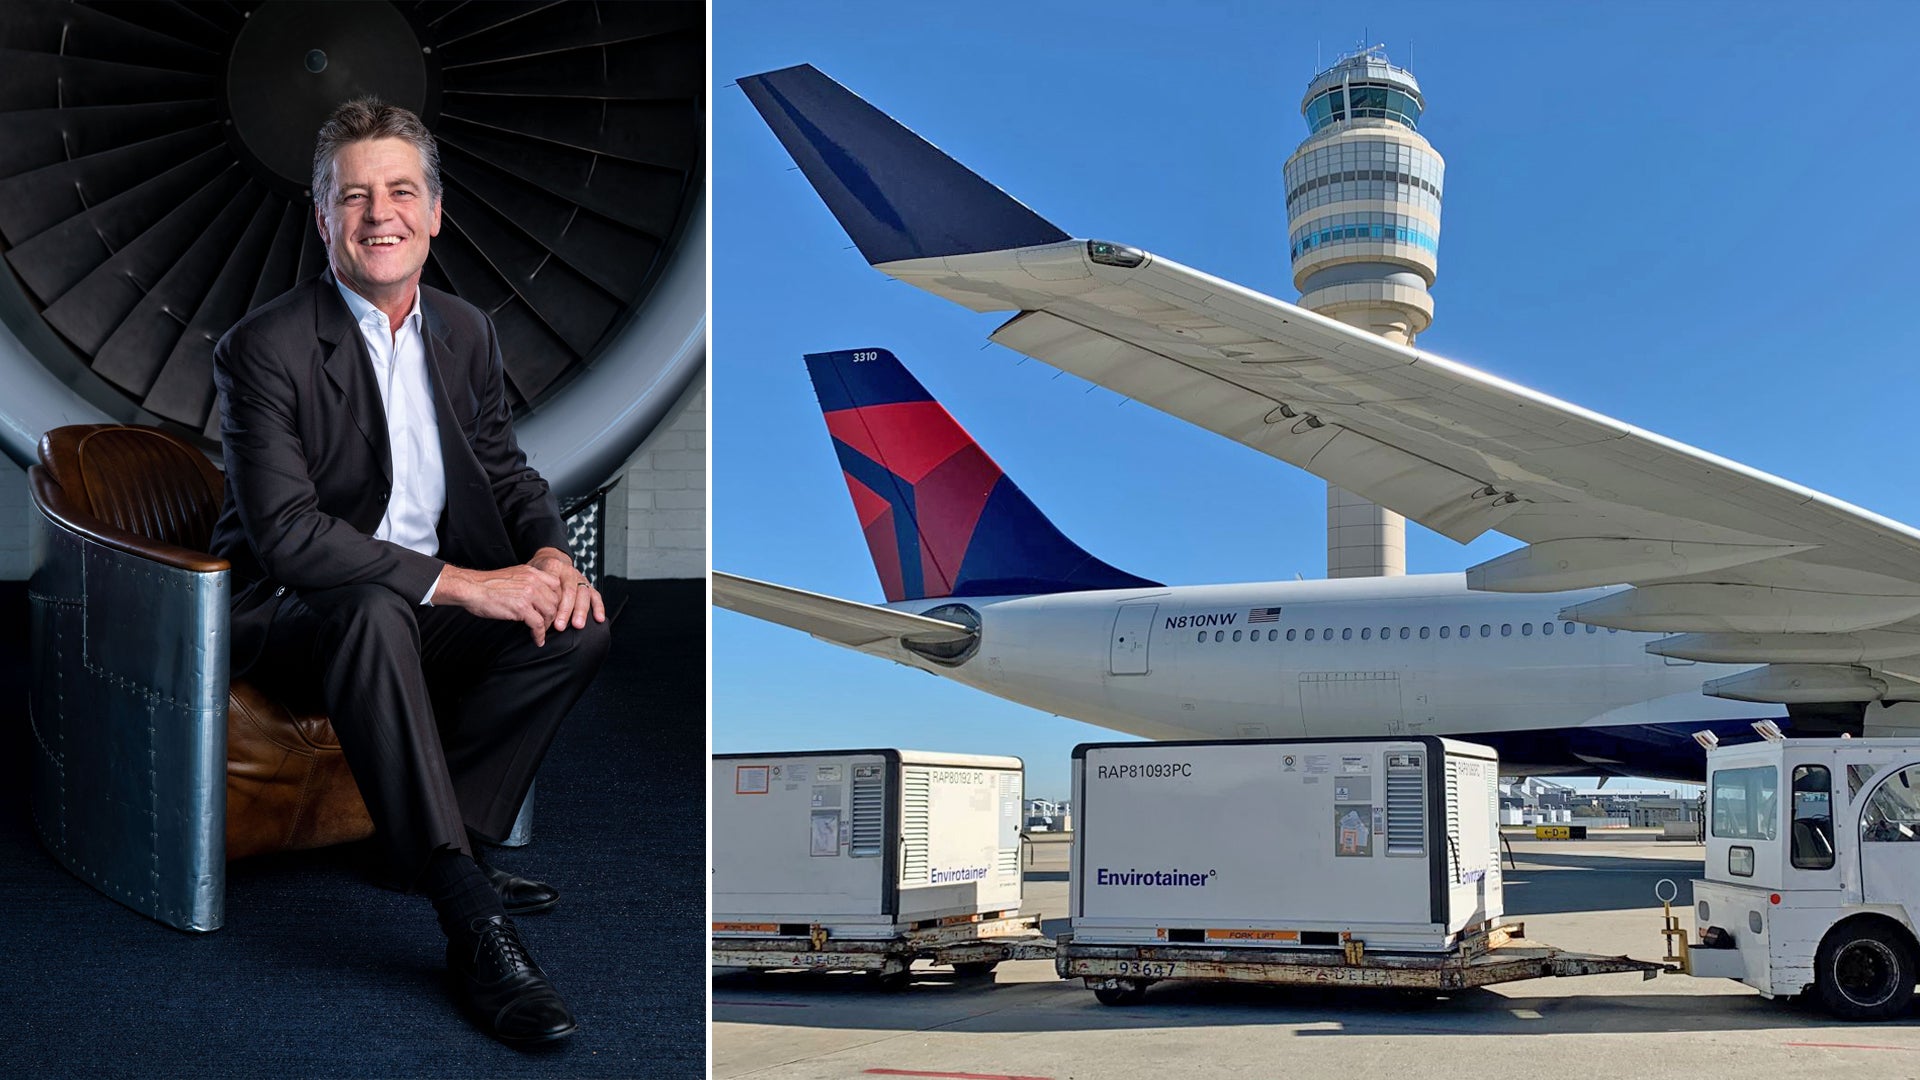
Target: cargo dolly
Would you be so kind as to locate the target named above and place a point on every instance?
(1120, 974)
(972, 946)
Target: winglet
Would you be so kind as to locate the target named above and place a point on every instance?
(896, 194)
(940, 518)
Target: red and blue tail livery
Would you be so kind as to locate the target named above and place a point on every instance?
(940, 517)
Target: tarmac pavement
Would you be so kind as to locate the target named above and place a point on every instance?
(1593, 896)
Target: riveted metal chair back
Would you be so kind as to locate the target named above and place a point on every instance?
(150, 770)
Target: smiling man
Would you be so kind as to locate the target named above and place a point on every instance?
(395, 559)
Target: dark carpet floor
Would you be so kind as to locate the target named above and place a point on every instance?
(320, 973)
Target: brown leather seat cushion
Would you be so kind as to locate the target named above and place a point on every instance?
(288, 786)
(143, 490)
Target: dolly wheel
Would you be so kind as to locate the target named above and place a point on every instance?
(974, 969)
(1123, 992)
(891, 981)
(1864, 972)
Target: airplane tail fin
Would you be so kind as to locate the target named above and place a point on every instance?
(897, 195)
(940, 517)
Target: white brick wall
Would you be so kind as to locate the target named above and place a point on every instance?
(657, 516)
(14, 512)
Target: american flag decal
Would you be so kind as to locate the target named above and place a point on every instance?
(1263, 614)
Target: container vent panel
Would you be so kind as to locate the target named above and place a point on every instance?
(1009, 848)
(915, 825)
(1493, 815)
(1453, 819)
(1407, 810)
(869, 814)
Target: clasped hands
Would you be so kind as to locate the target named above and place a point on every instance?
(546, 593)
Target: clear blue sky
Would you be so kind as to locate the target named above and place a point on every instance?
(1694, 217)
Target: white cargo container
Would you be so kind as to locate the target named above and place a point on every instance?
(1394, 841)
(1359, 862)
(866, 859)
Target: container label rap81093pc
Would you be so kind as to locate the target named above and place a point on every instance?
(1146, 770)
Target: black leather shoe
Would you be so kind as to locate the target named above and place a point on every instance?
(522, 896)
(505, 990)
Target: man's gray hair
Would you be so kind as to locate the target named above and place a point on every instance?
(368, 118)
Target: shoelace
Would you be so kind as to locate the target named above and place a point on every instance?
(511, 951)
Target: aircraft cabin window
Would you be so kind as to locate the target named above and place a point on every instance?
(1327, 634)
(1526, 629)
(1466, 631)
(1403, 633)
(1202, 638)
(1546, 628)
(1290, 635)
(1423, 633)
(1386, 632)
(1486, 630)
(1346, 633)
(1613, 629)
(1274, 635)
(1219, 635)
(1366, 633)
(1506, 629)
(1445, 632)
(1309, 633)
(1566, 628)
(1236, 635)
(1591, 628)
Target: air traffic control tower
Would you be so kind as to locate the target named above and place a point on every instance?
(1363, 210)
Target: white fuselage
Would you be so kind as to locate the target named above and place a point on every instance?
(1368, 656)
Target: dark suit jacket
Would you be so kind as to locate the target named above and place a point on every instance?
(309, 470)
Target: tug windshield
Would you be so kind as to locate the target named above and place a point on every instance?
(1746, 803)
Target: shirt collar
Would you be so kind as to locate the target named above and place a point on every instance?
(362, 307)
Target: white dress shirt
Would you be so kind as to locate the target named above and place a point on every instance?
(413, 430)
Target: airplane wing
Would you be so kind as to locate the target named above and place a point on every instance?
(843, 622)
(1745, 566)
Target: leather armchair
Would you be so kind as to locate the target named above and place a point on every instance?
(150, 769)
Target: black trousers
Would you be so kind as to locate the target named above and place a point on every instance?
(443, 716)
